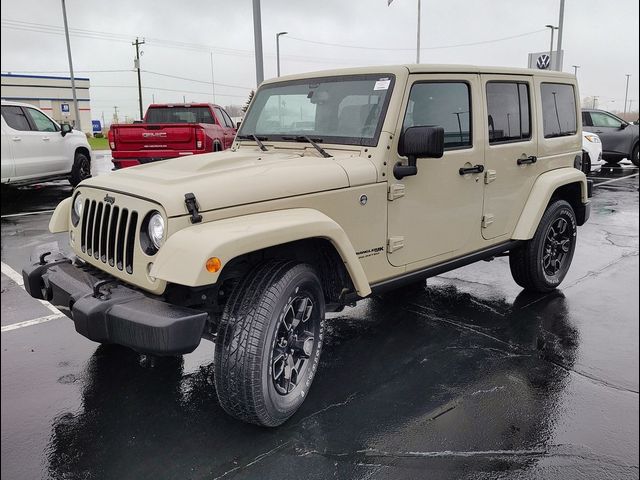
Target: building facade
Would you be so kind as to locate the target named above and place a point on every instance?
(52, 95)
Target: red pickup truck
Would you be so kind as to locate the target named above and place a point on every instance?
(169, 131)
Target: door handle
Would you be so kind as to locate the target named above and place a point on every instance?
(474, 169)
(45, 139)
(527, 161)
(16, 139)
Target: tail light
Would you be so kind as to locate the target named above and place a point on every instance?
(199, 139)
(112, 141)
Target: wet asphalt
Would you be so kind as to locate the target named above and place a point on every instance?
(464, 377)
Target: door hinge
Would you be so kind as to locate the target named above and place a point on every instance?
(490, 176)
(395, 243)
(487, 220)
(396, 190)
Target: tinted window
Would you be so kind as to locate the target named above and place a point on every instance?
(41, 121)
(508, 110)
(221, 118)
(601, 119)
(227, 119)
(179, 114)
(15, 118)
(446, 105)
(558, 110)
(586, 119)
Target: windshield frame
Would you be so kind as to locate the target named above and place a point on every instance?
(338, 140)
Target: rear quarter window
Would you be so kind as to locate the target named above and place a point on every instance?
(559, 111)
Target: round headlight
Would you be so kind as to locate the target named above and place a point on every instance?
(78, 203)
(76, 212)
(155, 229)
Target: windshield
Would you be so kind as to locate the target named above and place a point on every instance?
(179, 114)
(346, 110)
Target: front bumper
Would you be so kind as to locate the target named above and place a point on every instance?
(105, 310)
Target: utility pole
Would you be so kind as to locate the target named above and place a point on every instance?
(137, 44)
(551, 56)
(115, 114)
(76, 110)
(595, 101)
(278, 50)
(257, 39)
(418, 36)
(575, 69)
(560, 31)
(626, 93)
(213, 85)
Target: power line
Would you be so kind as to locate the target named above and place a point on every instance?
(360, 47)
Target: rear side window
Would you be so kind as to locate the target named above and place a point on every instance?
(558, 110)
(446, 105)
(222, 119)
(15, 118)
(509, 112)
(586, 119)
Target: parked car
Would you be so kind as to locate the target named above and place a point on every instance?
(592, 159)
(37, 149)
(169, 131)
(393, 180)
(619, 138)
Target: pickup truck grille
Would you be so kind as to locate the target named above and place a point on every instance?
(108, 234)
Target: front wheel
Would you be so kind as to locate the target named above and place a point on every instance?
(81, 169)
(542, 263)
(634, 156)
(269, 343)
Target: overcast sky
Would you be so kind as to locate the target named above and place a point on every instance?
(600, 36)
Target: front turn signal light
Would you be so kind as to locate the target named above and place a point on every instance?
(213, 265)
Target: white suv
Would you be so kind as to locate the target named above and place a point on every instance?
(37, 149)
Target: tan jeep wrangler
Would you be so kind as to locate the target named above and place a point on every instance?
(339, 184)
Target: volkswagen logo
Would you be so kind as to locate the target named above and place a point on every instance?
(543, 62)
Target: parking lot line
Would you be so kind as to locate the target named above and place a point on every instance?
(28, 323)
(616, 179)
(24, 214)
(17, 279)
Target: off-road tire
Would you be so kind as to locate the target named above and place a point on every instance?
(634, 156)
(246, 342)
(81, 169)
(527, 261)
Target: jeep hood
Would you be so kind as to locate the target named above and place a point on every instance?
(225, 179)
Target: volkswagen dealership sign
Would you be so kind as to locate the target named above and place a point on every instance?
(542, 61)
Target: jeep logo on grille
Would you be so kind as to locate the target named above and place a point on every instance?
(110, 200)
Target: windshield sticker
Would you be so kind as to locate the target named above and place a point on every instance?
(382, 84)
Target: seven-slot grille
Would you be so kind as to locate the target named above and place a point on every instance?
(108, 234)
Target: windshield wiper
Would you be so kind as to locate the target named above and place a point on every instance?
(304, 138)
(256, 139)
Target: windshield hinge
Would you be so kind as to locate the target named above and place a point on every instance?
(192, 207)
(396, 190)
(490, 176)
(395, 243)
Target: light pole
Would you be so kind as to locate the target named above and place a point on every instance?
(73, 79)
(595, 101)
(257, 39)
(553, 29)
(213, 85)
(278, 49)
(560, 30)
(575, 69)
(389, 2)
(626, 93)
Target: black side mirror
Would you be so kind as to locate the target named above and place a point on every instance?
(623, 126)
(238, 124)
(418, 142)
(65, 128)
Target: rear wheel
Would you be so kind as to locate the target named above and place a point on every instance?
(269, 342)
(81, 169)
(542, 262)
(634, 156)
